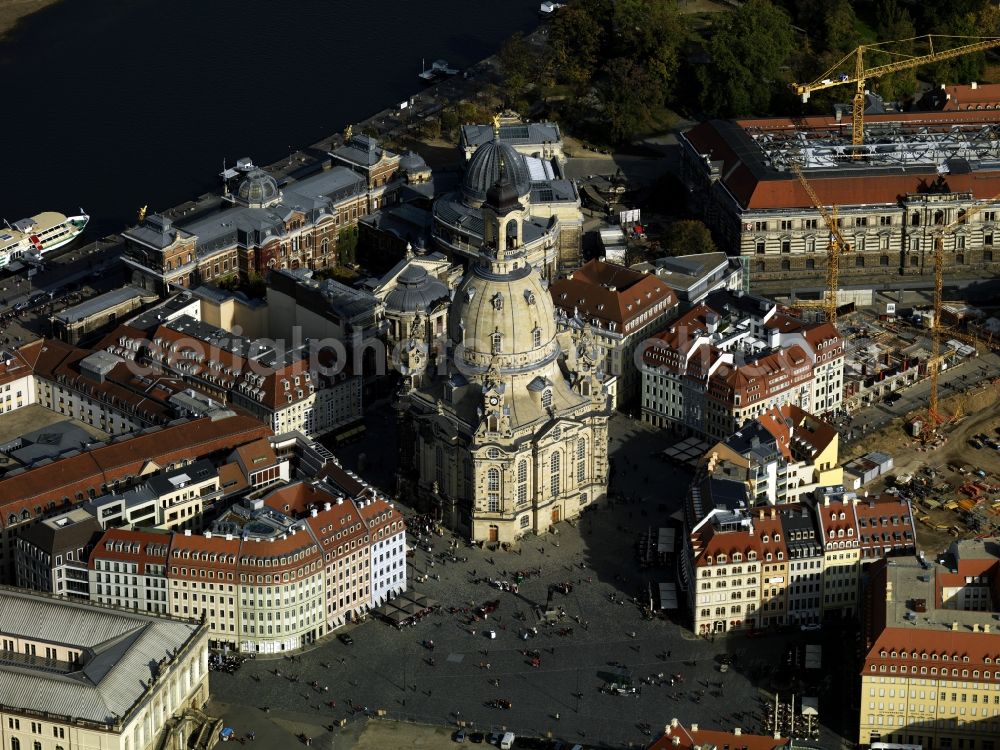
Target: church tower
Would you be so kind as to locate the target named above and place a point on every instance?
(503, 442)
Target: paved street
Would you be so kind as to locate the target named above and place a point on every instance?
(391, 670)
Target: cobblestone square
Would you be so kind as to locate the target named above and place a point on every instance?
(602, 635)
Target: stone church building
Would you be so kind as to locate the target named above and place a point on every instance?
(496, 439)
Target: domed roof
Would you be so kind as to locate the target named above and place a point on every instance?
(412, 162)
(491, 161)
(502, 309)
(259, 189)
(415, 291)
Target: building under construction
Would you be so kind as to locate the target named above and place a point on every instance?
(916, 173)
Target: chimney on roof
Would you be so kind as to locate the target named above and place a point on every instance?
(986, 627)
(737, 731)
(974, 85)
(774, 512)
(326, 506)
(313, 512)
(187, 532)
(229, 537)
(954, 626)
(761, 514)
(826, 501)
(674, 723)
(208, 534)
(694, 727)
(888, 591)
(675, 741)
(340, 501)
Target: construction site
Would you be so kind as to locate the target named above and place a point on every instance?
(891, 184)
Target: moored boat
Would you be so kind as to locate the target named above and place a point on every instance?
(40, 234)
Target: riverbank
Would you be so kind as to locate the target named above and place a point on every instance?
(12, 11)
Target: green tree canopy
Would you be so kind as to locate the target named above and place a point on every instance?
(575, 43)
(688, 237)
(517, 66)
(748, 53)
(892, 21)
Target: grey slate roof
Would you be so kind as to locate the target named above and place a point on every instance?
(416, 291)
(101, 302)
(71, 530)
(362, 150)
(121, 652)
(513, 133)
(492, 162)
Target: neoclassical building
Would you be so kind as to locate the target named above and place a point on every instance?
(552, 230)
(495, 437)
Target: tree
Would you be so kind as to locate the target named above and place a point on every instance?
(347, 245)
(517, 65)
(688, 237)
(575, 41)
(629, 91)
(894, 22)
(840, 29)
(748, 53)
(649, 33)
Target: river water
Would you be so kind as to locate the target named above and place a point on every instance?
(113, 104)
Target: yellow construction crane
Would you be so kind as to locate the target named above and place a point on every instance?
(934, 363)
(837, 246)
(854, 61)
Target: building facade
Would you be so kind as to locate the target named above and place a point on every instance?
(930, 671)
(76, 675)
(40, 492)
(262, 226)
(929, 170)
(272, 574)
(51, 556)
(733, 357)
(622, 308)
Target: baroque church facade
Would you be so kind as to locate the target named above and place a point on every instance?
(495, 438)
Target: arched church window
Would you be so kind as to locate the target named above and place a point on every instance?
(522, 481)
(496, 343)
(493, 490)
(554, 479)
(581, 459)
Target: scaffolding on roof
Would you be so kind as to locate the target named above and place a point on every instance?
(888, 144)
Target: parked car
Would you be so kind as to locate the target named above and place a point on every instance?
(346, 639)
(491, 634)
(974, 443)
(460, 735)
(808, 627)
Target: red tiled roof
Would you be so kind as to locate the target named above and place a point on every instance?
(141, 547)
(610, 293)
(847, 188)
(120, 459)
(20, 363)
(690, 738)
(876, 536)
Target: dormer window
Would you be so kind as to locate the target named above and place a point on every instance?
(547, 398)
(496, 343)
(536, 337)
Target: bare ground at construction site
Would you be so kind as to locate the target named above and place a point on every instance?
(940, 526)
